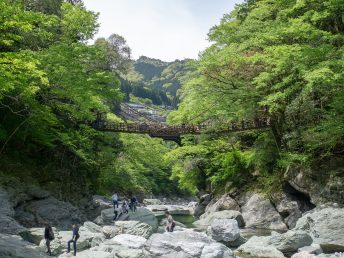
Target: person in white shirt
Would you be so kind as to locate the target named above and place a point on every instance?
(115, 199)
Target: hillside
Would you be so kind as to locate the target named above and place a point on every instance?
(155, 81)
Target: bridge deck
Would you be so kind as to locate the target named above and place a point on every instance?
(176, 131)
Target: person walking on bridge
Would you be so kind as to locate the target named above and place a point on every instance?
(115, 199)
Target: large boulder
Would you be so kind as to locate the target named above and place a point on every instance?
(106, 217)
(145, 216)
(173, 209)
(258, 212)
(326, 227)
(186, 244)
(60, 214)
(134, 228)
(152, 202)
(206, 220)
(224, 230)
(259, 247)
(204, 200)
(224, 203)
(92, 227)
(15, 247)
(289, 208)
(102, 202)
(290, 241)
(8, 225)
(59, 244)
(34, 235)
(123, 246)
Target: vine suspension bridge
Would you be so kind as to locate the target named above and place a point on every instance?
(158, 129)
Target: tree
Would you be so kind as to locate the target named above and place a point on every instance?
(117, 51)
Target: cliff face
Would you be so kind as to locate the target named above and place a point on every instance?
(324, 182)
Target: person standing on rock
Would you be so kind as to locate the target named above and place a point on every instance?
(115, 200)
(170, 224)
(133, 204)
(48, 236)
(75, 238)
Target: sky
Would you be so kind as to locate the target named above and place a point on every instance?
(163, 29)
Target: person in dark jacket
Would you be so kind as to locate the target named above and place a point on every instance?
(48, 236)
(75, 238)
(133, 204)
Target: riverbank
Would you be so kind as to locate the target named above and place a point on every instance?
(247, 226)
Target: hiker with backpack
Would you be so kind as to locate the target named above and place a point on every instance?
(75, 238)
(48, 236)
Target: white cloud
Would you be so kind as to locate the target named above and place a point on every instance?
(164, 29)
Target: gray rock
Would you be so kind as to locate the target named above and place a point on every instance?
(173, 209)
(127, 240)
(134, 228)
(216, 250)
(92, 227)
(106, 217)
(145, 216)
(258, 212)
(60, 214)
(59, 244)
(185, 244)
(224, 203)
(110, 231)
(192, 207)
(6, 208)
(202, 204)
(123, 246)
(152, 202)
(89, 254)
(288, 208)
(34, 235)
(102, 202)
(303, 254)
(15, 247)
(290, 241)
(224, 230)
(259, 247)
(206, 221)
(236, 243)
(313, 249)
(8, 225)
(326, 227)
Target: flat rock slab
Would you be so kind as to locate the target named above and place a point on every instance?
(188, 244)
(15, 247)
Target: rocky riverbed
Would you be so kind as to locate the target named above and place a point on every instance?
(247, 225)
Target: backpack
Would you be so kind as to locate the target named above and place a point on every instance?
(51, 234)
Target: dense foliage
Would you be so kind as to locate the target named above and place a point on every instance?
(51, 84)
(280, 58)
